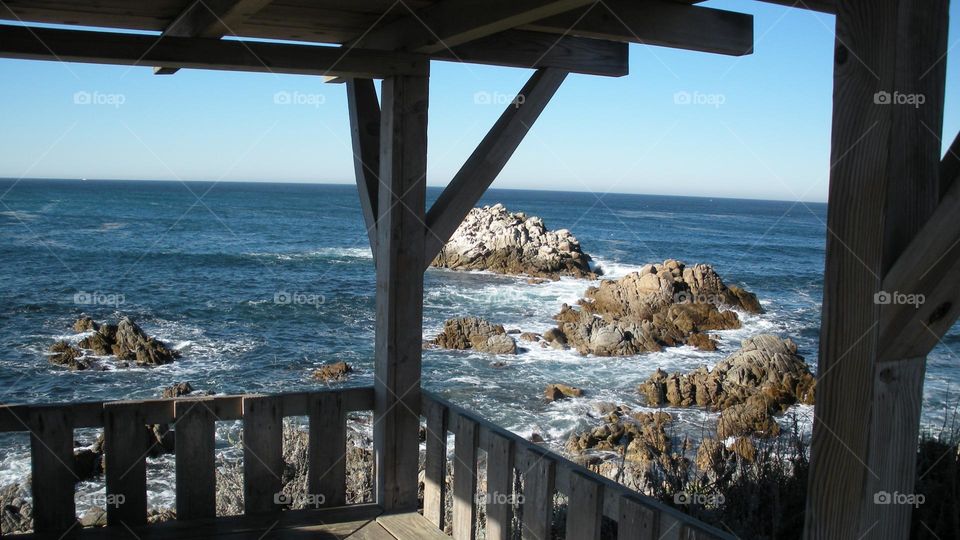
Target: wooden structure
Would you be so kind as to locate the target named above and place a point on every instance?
(891, 221)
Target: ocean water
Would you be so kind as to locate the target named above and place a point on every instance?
(203, 265)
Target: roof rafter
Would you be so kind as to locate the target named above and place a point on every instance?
(210, 19)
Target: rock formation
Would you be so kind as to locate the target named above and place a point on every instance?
(556, 392)
(334, 372)
(125, 340)
(662, 305)
(492, 238)
(764, 377)
(639, 437)
(477, 334)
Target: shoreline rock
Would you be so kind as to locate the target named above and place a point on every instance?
(661, 305)
(492, 238)
(476, 334)
(556, 392)
(334, 372)
(124, 340)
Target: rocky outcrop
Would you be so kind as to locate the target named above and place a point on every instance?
(639, 437)
(125, 340)
(763, 378)
(334, 372)
(16, 512)
(177, 390)
(477, 334)
(662, 305)
(494, 239)
(556, 392)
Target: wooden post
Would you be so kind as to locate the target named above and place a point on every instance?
(888, 98)
(53, 477)
(399, 259)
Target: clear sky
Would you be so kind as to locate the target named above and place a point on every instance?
(761, 129)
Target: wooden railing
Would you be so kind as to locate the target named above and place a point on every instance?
(590, 497)
(51, 430)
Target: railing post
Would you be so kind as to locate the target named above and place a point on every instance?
(196, 466)
(327, 468)
(435, 464)
(262, 454)
(499, 507)
(465, 479)
(51, 461)
(584, 508)
(539, 472)
(126, 467)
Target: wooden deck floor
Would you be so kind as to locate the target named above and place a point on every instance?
(361, 522)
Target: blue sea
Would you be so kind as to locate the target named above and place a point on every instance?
(203, 265)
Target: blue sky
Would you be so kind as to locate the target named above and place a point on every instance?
(764, 133)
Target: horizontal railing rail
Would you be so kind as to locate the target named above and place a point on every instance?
(543, 473)
(53, 480)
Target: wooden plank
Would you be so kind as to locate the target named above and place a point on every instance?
(637, 520)
(196, 465)
(262, 453)
(51, 467)
(210, 19)
(489, 158)
(584, 508)
(125, 453)
(499, 496)
(435, 465)
(399, 331)
(410, 525)
(199, 53)
(656, 22)
(449, 23)
(365, 136)
(539, 472)
(534, 50)
(950, 167)
(465, 480)
(883, 188)
(327, 467)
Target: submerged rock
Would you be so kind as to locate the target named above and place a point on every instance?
(65, 354)
(494, 239)
(477, 334)
(177, 390)
(662, 305)
(336, 371)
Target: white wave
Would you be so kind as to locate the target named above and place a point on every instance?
(322, 253)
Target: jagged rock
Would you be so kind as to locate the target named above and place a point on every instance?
(753, 417)
(177, 390)
(16, 513)
(662, 305)
(639, 437)
(536, 438)
(132, 343)
(744, 447)
(87, 463)
(530, 336)
(160, 515)
(85, 324)
(494, 239)
(336, 371)
(475, 333)
(65, 354)
(556, 392)
(94, 517)
(711, 454)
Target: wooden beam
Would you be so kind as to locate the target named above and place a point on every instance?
(823, 6)
(535, 50)
(449, 23)
(924, 284)
(883, 188)
(209, 19)
(139, 50)
(657, 22)
(950, 167)
(365, 135)
(399, 332)
(489, 158)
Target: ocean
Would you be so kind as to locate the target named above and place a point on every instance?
(258, 284)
